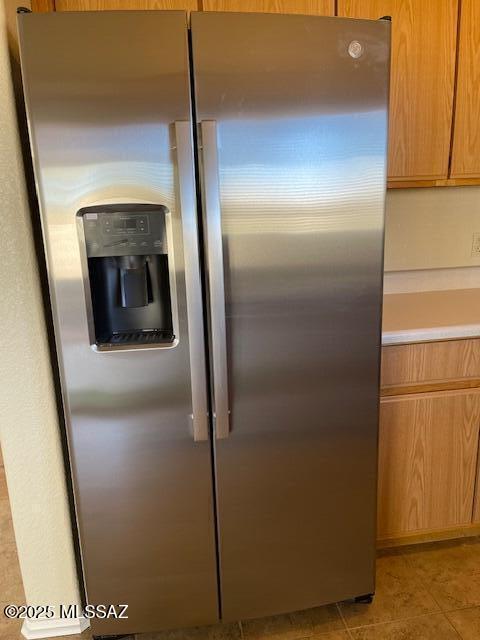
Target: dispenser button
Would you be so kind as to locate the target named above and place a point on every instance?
(142, 225)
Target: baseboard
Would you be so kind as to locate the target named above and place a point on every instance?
(433, 535)
(54, 627)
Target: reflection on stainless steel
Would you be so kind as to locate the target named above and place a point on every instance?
(292, 122)
(103, 91)
(301, 132)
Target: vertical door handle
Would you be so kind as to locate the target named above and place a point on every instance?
(193, 285)
(213, 228)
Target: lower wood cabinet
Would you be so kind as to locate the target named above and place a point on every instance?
(428, 447)
(476, 505)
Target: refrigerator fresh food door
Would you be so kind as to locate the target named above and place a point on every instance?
(292, 125)
(108, 102)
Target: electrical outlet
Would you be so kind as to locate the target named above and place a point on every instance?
(476, 244)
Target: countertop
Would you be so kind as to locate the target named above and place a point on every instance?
(430, 315)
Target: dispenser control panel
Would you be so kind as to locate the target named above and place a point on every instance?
(120, 230)
(123, 224)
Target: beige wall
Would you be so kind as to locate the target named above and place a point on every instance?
(29, 430)
(431, 228)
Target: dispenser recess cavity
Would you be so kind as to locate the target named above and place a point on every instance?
(129, 275)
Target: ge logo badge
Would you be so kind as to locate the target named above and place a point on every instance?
(355, 49)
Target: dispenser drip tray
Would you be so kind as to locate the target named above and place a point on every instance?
(154, 336)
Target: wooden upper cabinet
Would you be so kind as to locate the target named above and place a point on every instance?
(315, 7)
(42, 6)
(105, 5)
(422, 82)
(466, 132)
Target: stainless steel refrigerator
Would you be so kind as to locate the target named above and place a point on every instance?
(212, 203)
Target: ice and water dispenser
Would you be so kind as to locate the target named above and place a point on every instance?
(128, 271)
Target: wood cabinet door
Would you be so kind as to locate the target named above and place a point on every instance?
(476, 506)
(466, 132)
(422, 82)
(427, 461)
(104, 5)
(42, 6)
(315, 7)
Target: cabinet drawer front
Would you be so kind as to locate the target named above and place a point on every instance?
(430, 362)
(427, 462)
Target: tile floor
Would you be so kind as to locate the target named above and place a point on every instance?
(424, 592)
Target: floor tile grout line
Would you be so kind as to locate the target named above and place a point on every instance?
(425, 586)
(443, 614)
(342, 617)
(465, 606)
(348, 630)
(421, 581)
(405, 619)
(453, 627)
(420, 615)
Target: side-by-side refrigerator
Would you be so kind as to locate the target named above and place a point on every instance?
(212, 199)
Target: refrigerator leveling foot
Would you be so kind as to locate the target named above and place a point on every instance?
(365, 599)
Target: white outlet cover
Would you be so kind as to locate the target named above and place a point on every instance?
(476, 244)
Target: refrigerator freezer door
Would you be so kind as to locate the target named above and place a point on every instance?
(109, 113)
(300, 111)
